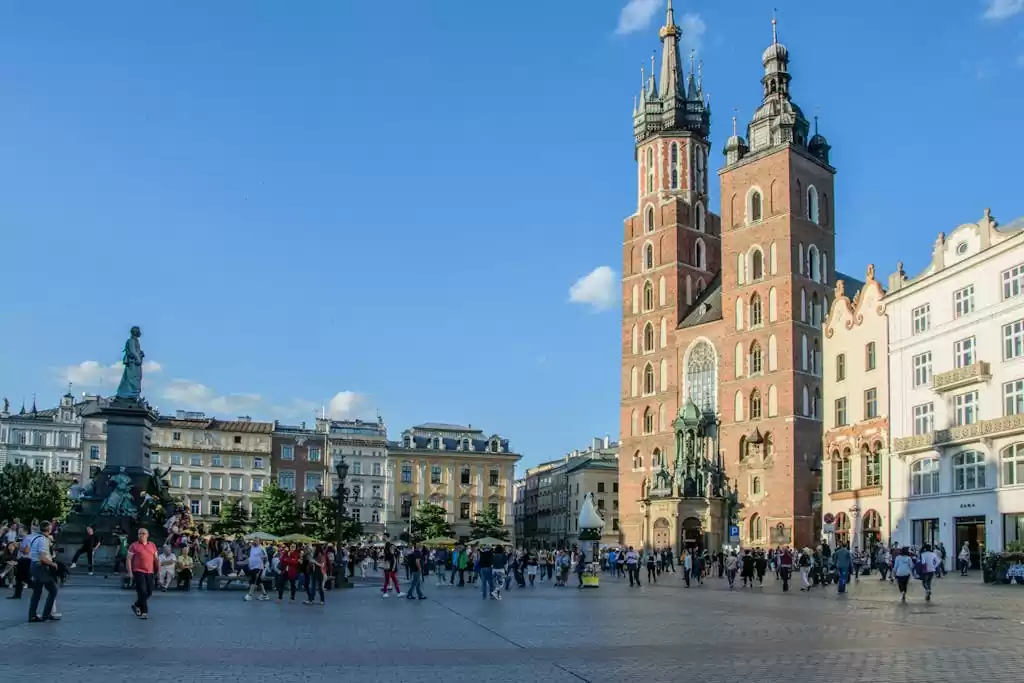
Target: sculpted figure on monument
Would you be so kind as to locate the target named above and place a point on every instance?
(119, 501)
(130, 387)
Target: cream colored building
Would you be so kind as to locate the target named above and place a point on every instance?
(213, 462)
(956, 367)
(596, 473)
(456, 467)
(856, 440)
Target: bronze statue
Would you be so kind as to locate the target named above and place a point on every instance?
(130, 387)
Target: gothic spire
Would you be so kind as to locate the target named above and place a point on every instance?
(671, 76)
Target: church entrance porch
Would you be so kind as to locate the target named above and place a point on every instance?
(692, 536)
(661, 536)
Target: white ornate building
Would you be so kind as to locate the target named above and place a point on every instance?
(49, 440)
(856, 440)
(956, 372)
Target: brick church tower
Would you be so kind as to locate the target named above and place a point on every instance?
(777, 237)
(671, 254)
(722, 316)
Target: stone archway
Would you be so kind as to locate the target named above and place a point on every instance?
(661, 537)
(692, 534)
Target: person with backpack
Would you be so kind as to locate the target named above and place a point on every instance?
(902, 568)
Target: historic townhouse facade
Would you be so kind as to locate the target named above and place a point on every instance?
(855, 469)
(956, 372)
(213, 462)
(456, 467)
(48, 440)
(724, 314)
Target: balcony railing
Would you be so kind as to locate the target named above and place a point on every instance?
(961, 377)
(954, 435)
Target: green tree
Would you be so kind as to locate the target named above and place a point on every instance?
(234, 520)
(276, 511)
(487, 523)
(28, 494)
(430, 521)
(322, 518)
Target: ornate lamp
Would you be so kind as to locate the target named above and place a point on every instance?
(341, 578)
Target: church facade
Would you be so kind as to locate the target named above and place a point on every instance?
(721, 410)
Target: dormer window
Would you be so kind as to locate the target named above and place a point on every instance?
(495, 446)
(466, 445)
(407, 441)
(437, 442)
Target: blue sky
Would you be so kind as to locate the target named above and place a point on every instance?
(383, 206)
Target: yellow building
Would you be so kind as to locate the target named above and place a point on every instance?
(452, 466)
(212, 462)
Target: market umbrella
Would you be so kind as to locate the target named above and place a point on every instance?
(440, 540)
(260, 536)
(488, 540)
(297, 538)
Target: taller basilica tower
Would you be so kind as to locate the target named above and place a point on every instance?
(722, 316)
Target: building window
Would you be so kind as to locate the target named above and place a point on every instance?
(464, 476)
(755, 405)
(757, 265)
(843, 471)
(463, 510)
(841, 367)
(195, 481)
(193, 507)
(65, 466)
(435, 474)
(287, 452)
(376, 492)
(812, 204)
(966, 408)
(841, 412)
(963, 352)
(922, 369)
(699, 257)
(236, 462)
(1013, 397)
(870, 404)
(755, 486)
(1013, 281)
(756, 313)
(176, 481)
(648, 421)
(754, 206)
(869, 357)
(756, 527)
(922, 318)
(313, 480)
(648, 297)
(286, 480)
(963, 301)
(701, 377)
(493, 508)
(376, 469)
(872, 466)
(175, 458)
(1013, 340)
(215, 461)
(195, 460)
(924, 419)
(406, 508)
(648, 338)
(1013, 465)
(756, 359)
(600, 503)
(968, 471)
(648, 257)
(674, 164)
(924, 477)
(406, 474)
(649, 223)
(216, 482)
(313, 455)
(94, 452)
(176, 436)
(257, 484)
(494, 476)
(650, 170)
(215, 508)
(648, 380)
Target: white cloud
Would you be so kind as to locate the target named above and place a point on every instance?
(637, 15)
(92, 373)
(997, 10)
(693, 28)
(347, 405)
(188, 395)
(598, 288)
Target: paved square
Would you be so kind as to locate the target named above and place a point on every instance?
(652, 634)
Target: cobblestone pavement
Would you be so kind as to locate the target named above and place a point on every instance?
(663, 632)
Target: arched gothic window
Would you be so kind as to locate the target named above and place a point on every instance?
(649, 225)
(648, 257)
(756, 359)
(743, 448)
(756, 312)
(812, 204)
(756, 265)
(656, 459)
(755, 486)
(648, 338)
(755, 405)
(674, 153)
(650, 170)
(754, 207)
(756, 528)
(648, 379)
(648, 421)
(701, 377)
(638, 461)
(699, 256)
(698, 222)
(648, 296)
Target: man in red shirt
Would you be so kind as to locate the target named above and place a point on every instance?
(143, 564)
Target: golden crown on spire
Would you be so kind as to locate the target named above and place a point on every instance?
(671, 30)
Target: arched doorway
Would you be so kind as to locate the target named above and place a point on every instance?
(872, 528)
(660, 537)
(842, 529)
(692, 537)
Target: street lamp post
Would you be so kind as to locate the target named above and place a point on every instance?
(341, 571)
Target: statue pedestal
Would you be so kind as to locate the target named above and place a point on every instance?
(129, 431)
